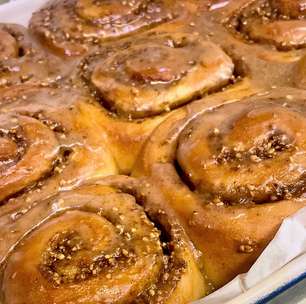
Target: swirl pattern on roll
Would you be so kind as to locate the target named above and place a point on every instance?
(138, 81)
(70, 27)
(280, 23)
(28, 149)
(47, 141)
(96, 244)
(232, 173)
(23, 61)
(157, 73)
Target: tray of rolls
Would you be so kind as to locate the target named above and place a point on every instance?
(152, 151)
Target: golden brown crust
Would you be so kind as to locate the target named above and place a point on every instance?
(50, 138)
(71, 27)
(268, 43)
(22, 60)
(96, 243)
(81, 95)
(281, 24)
(158, 73)
(231, 173)
(136, 93)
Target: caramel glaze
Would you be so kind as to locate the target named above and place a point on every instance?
(231, 172)
(99, 243)
(135, 97)
(280, 23)
(22, 60)
(138, 81)
(71, 27)
(269, 59)
(135, 65)
(50, 139)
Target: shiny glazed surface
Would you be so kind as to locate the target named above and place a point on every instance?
(204, 99)
(48, 141)
(97, 244)
(231, 173)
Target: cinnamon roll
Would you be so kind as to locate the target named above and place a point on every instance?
(97, 244)
(23, 61)
(231, 173)
(71, 27)
(139, 81)
(49, 139)
(266, 37)
(280, 23)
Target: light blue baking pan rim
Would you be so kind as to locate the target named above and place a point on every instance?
(279, 291)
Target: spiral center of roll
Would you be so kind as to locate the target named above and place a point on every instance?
(100, 248)
(264, 139)
(27, 151)
(164, 63)
(8, 149)
(8, 46)
(12, 147)
(63, 246)
(257, 155)
(155, 65)
(104, 11)
(157, 73)
(68, 258)
(280, 23)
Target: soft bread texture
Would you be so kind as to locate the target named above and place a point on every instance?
(97, 244)
(231, 173)
(50, 139)
(24, 61)
(203, 102)
(72, 27)
(139, 81)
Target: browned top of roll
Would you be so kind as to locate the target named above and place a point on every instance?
(47, 137)
(22, 60)
(97, 244)
(231, 172)
(81, 94)
(279, 23)
(156, 73)
(71, 26)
